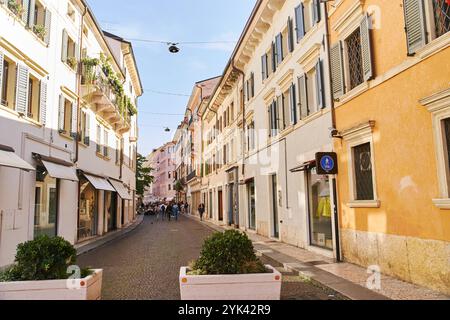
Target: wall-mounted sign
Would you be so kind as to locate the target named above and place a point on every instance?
(326, 163)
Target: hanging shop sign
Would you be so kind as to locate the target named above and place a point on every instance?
(326, 163)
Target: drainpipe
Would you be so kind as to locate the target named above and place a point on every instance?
(77, 148)
(334, 128)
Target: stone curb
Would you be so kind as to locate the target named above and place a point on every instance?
(97, 243)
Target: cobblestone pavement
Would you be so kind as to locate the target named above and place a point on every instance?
(145, 264)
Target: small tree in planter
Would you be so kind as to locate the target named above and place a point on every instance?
(228, 269)
(41, 272)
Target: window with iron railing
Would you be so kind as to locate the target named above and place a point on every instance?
(363, 170)
(441, 12)
(354, 56)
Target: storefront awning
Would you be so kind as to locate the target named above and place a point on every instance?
(305, 166)
(9, 159)
(100, 183)
(121, 190)
(59, 171)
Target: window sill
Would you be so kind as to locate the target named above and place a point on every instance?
(443, 204)
(434, 46)
(364, 204)
(65, 136)
(352, 94)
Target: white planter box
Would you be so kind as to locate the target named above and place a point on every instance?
(261, 286)
(89, 288)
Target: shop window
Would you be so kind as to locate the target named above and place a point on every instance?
(88, 213)
(251, 198)
(363, 172)
(45, 204)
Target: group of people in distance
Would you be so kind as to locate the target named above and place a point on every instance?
(169, 210)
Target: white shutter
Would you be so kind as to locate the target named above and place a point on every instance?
(303, 97)
(25, 11)
(48, 25)
(416, 36)
(1, 75)
(32, 7)
(74, 125)
(64, 48)
(43, 103)
(61, 111)
(366, 48)
(22, 89)
(337, 70)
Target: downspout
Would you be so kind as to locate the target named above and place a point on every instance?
(333, 123)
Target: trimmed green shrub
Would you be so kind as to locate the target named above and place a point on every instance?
(230, 252)
(44, 258)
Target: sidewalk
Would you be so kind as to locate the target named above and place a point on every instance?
(93, 244)
(345, 279)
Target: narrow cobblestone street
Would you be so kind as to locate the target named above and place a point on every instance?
(145, 264)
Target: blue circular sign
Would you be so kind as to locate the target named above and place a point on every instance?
(327, 163)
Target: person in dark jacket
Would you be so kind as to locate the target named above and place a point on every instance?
(201, 210)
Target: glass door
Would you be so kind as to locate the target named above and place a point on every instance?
(251, 205)
(275, 221)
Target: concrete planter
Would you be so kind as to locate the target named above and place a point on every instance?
(261, 286)
(89, 288)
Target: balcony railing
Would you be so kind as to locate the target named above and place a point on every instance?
(191, 176)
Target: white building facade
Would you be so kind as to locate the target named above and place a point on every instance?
(68, 125)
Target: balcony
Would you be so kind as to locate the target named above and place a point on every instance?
(97, 90)
(191, 176)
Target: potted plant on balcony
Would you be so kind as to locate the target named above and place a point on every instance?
(228, 269)
(45, 269)
(15, 7)
(72, 62)
(40, 31)
(89, 64)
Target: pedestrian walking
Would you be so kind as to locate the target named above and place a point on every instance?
(201, 210)
(186, 208)
(175, 211)
(169, 209)
(162, 211)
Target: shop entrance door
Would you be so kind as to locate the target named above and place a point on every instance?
(275, 220)
(220, 202)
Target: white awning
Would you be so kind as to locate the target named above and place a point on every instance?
(121, 190)
(100, 183)
(59, 171)
(11, 160)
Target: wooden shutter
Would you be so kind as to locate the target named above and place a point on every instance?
(25, 11)
(299, 22)
(320, 85)
(22, 89)
(293, 104)
(64, 50)
(48, 25)
(366, 48)
(337, 70)
(252, 86)
(74, 125)
(31, 12)
(269, 111)
(2, 59)
(43, 102)
(87, 129)
(316, 11)
(279, 47)
(61, 115)
(274, 57)
(290, 35)
(416, 36)
(264, 66)
(303, 97)
(280, 113)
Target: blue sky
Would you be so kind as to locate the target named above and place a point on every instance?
(176, 21)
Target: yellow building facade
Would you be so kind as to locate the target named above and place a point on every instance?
(391, 88)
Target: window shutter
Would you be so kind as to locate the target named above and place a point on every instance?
(25, 11)
(279, 48)
(61, 111)
(87, 128)
(252, 87)
(2, 59)
(48, 25)
(319, 85)
(274, 57)
(316, 11)
(74, 125)
(293, 104)
(270, 119)
(337, 70)
(43, 103)
(65, 39)
(303, 97)
(31, 12)
(264, 66)
(22, 89)
(415, 25)
(299, 22)
(290, 35)
(366, 48)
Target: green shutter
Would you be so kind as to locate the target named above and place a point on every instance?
(366, 49)
(416, 36)
(48, 25)
(61, 115)
(64, 48)
(337, 70)
(22, 89)
(319, 85)
(43, 102)
(303, 97)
